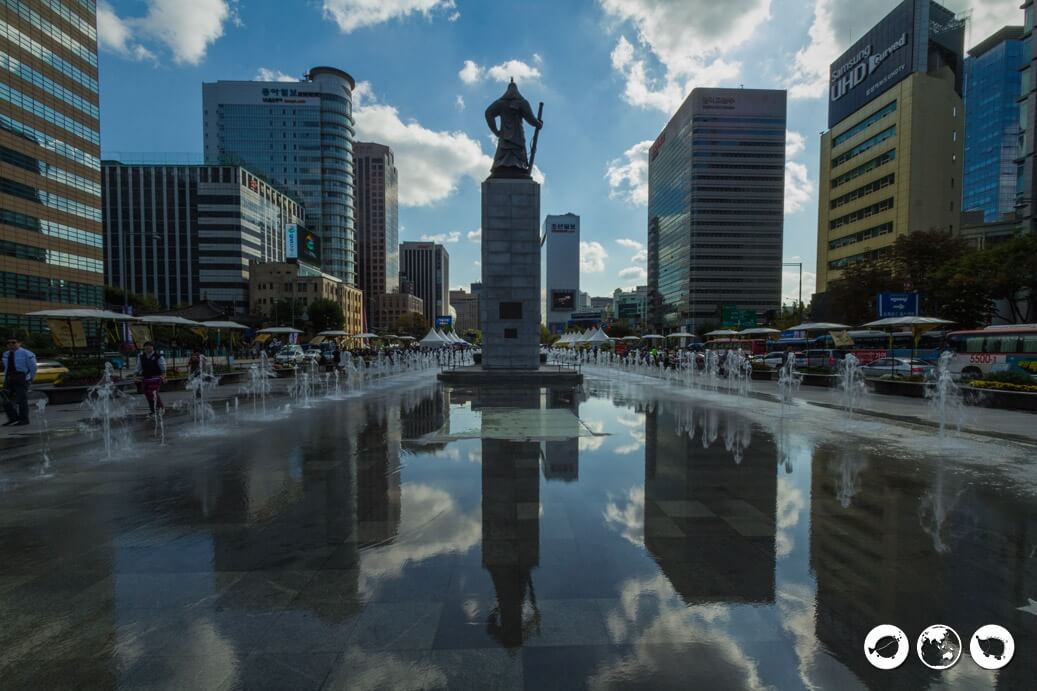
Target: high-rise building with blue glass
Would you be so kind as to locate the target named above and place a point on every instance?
(299, 136)
(992, 90)
(50, 167)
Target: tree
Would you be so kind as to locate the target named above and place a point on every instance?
(473, 336)
(852, 297)
(917, 261)
(141, 304)
(411, 324)
(286, 311)
(1014, 276)
(546, 337)
(326, 315)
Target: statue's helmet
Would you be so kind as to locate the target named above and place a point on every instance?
(512, 91)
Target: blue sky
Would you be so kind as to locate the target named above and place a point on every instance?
(610, 73)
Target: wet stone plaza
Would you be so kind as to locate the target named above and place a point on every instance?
(626, 533)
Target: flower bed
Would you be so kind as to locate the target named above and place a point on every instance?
(1000, 398)
(1002, 386)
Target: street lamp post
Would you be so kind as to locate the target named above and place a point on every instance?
(800, 265)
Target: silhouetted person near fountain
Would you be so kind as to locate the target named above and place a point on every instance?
(151, 370)
(19, 366)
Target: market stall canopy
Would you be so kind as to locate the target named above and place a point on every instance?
(818, 326)
(759, 331)
(432, 340)
(680, 334)
(722, 332)
(225, 325)
(599, 337)
(655, 337)
(366, 335)
(407, 338)
(279, 330)
(83, 314)
(168, 320)
(334, 333)
(890, 322)
(631, 338)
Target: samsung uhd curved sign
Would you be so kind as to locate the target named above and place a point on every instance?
(880, 59)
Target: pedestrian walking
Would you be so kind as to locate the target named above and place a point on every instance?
(151, 370)
(19, 366)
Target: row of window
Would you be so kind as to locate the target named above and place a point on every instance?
(53, 88)
(735, 166)
(50, 228)
(51, 257)
(22, 287)
(864, 124)
(731, 130)
(867, 144)
(82, 52)
(736, 142)
(865, 212)
(50, 200)
(863, 191)
(861, 236)
(47, 55)
(837, 264)
(728, 154)
(777, 120)
(863, 168)
(740, 178)
(31, 105)
(49, 171)
(81, 25)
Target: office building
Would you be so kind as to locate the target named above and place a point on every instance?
(425, 266)
(891, 160)
(1026, 181)
(299, 284)
(992, 93)
(716, 193)
(189, 234)
(377, 224)
(561, 242)
(602, 303)
(50, 168)
(392, 306)
(467, 308)
(631, 306)
(299, 136)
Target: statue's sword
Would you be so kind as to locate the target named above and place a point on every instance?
(536, 136)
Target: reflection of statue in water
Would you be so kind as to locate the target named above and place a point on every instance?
(512, 109)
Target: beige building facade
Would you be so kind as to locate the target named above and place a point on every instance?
(274, 281)
(392, 306)
(467, 307)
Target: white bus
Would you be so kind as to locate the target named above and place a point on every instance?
(1010, 348)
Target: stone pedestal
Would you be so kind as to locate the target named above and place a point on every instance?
(509, 304)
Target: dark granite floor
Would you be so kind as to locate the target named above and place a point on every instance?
(422, 538)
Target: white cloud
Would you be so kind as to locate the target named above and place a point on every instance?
(628, 174)
(475, 235)
(442, 238)
(592, 257)
(264, 74)
(454, 17)
(626, 514)
(459, 102)
(799, 188)
(629, 244)
(688, 37)
(356, 14)
(186, 29)
(472, 72)
(431, 163)
(634, 273)
(795, 143)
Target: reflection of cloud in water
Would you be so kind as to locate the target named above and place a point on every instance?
(631, 419)
(638, 444)
(362, 670)
(791, 504)
(432, 524)
(475, 455)
(212, 657)
(848, 479)
(627, 515)
(652, 617)
(593, 443)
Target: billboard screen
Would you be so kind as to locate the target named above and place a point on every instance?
(563, 300)
(301, 244)
(291, 241)
(880, 59)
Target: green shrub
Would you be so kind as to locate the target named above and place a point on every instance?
(1018, 378)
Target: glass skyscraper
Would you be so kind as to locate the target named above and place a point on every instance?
(716, 193)
(992, 90)
(299, 136)
(50, 170)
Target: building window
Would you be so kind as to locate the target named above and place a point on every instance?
(511, 310)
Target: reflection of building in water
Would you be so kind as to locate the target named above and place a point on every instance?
(378, 481)
(426, 417)
(708, 521)
(875, 563)
(562, 456)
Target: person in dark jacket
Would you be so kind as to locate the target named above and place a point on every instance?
(19, 368)
(151, 370)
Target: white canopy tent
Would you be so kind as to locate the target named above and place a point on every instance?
(432, 340)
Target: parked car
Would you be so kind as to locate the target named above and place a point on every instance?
(823, 359)
(289, 355)
(47, 372)
(775, 359)
(900, 366)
